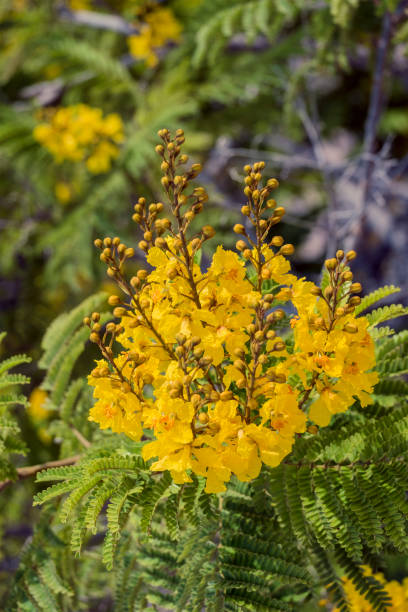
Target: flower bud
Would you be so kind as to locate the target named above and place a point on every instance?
(277, 241)
(98, 243)
(247, 168)
(119, 312)
(159, 149)
(113, 300)
(239, 229)
(350, 255)
(287, 249)
(143, 245)
(203, 416)
(160, 243)
(142, 274)
(179, 351)
(356, 288)
(240, 365)
(246, 210)
(331, 264)
(350, 328)
(94, 337)
(280, 211)
(355, 300)
(273, 183)
(226, 395)
(208, 231)
(339, 255)
(181, 338)
(279, 346)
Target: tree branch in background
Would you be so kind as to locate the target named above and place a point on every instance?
(99, 21)
(32, 470)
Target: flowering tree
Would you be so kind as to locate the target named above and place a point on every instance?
(263, 460)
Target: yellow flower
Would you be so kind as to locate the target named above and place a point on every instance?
(81, 133)
(63, 192)
(36, 407)
(398, 593)
(203, 367)
(160, 27)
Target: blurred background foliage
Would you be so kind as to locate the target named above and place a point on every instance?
(316, 88)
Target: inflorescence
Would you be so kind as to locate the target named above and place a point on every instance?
(204, 374)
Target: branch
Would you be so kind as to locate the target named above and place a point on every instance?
(31, 470)
(376, 95)
(389, 22)
(100, 21)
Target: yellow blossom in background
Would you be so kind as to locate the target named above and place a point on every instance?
(63, 192)
(80, 5)
(203, 365)
(81, 133)
(36, 407)
(397, 591)
(158, 27)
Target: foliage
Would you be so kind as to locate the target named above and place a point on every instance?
(216, 64)
(334, 503)
(291, 82)
(10, 438)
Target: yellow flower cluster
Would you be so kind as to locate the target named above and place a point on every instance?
(158, 27)
(77, 133)
(39, 414)
(398, 593)
(203, 366)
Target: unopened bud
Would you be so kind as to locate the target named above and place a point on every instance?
(277, 241)
(113, 300)
(208, 231)
(119, 312)
(279, 346)
(331, 264)
(287, 249)
(226, 395)
(350, 255)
